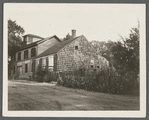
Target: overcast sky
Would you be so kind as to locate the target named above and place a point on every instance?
(100, 22)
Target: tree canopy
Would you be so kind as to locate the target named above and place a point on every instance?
(15, 33)
(126, 53)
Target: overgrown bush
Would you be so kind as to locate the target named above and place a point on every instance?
(102, 81)
(40, 73)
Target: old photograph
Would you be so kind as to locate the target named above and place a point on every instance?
(86, 60)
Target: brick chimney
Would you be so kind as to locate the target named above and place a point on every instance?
(73, 33)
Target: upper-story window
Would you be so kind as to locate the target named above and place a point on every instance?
(76, 47)
(25, 54)
(33, 52)
(19, 56)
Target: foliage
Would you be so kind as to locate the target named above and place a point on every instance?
(40, 73)
(104, 48)
(15, 33)
(126, 53)
(67, 37)
(98, 82)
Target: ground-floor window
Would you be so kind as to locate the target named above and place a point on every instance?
(26, 68)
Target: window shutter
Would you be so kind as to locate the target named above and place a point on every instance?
(40, 61)
(47, 61)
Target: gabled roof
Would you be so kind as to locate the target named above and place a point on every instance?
(37, 42)
(33, 36)
(54, 49)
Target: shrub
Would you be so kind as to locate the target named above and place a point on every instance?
(102, 81)
(40, 73)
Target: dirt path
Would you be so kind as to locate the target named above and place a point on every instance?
(27, 95)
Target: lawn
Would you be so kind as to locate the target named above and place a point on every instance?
(29, 95)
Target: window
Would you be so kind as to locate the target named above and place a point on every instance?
(33, 52)
(25, 54)
(51, 61)
(97, 66)
(92, 66)
(44, 62)
(76, 47)
(26, 68)
(19, 56)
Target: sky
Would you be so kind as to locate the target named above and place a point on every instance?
(101, 22)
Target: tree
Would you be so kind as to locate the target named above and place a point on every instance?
(126, 53)
(123, 57)
(15, 33)
(67, 37)
(126, 60)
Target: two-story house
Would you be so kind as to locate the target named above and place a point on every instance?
(59, 56)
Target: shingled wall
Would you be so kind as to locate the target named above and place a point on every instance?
(69, 59)
(65, 58)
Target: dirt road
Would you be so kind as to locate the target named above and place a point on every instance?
(27, 95)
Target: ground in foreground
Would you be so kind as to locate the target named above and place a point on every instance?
(27, 95)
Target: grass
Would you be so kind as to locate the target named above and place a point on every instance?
(28, 95)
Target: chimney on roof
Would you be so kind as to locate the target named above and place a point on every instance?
(73, 33)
